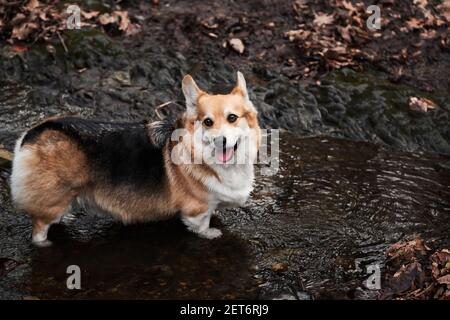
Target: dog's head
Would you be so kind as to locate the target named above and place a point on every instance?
(224, 128)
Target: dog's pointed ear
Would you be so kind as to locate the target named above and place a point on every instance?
(241, 86)
(191, 92)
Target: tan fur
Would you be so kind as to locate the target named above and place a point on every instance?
(61, 173)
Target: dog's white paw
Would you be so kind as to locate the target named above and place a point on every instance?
(210, 233)
(43, 243)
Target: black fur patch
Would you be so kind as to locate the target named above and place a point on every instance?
(119, 153)
(161, 131)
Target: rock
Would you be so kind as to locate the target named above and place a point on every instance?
(237, 45)
(279, 267)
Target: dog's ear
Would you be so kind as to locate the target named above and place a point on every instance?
(191, 92)
(241, 86)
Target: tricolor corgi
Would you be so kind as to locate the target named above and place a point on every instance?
(200, 162)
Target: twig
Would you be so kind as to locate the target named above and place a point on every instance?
(160, 107)
(62, 42)
(6, 155)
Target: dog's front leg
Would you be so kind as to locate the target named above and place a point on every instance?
(200, 224)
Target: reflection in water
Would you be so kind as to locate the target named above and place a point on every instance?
(331, 211)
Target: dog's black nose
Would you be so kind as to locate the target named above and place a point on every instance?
(220, 142)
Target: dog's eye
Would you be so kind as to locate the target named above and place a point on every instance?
(232, 118)
(208, 122)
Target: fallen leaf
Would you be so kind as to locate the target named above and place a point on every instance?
(124, 19)
(32, 4)
(349, 6)
(321, 19)
(444, 280)
(421, 3)
(237, 45)
(414, 23)
(90, 14)
(133, 28)
(345, 33)
(300, 4)
(106, 18)
(20, 17)
(22, 31)
(421, 104)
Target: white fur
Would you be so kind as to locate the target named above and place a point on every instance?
(40, 239)
(20, 172)
(200, 225)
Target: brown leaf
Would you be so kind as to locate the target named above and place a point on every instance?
(345, 33)
(133, 28)
(43, 16)
(441, 257)
(22, 31)
(349, 6)
(89, 14)
(406, 249)
(124, 19)
(409, 277)
(421, 104)
(20, 17)
(414, 23)
(444, 279)
(321, 19)
(300, 4)
(421, 3)
(106, 18)
(32, 4)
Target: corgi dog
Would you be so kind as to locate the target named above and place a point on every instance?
(199, 162)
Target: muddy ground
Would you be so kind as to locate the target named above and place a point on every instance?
(359, 169)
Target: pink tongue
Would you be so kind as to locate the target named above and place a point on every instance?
(225, 156)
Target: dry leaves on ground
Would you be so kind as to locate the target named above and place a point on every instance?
(35, 20)
(414, 273)
(339, 37)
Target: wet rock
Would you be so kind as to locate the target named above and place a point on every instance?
(7, 265)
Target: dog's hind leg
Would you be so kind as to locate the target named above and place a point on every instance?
(47, 175)
(44, 219)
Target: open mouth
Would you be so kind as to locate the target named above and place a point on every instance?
(224, 155)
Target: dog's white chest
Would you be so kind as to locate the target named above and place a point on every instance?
(235, 185)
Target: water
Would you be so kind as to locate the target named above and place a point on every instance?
(331, 211)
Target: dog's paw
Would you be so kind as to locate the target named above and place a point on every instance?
(43, 243)
(210, 233)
